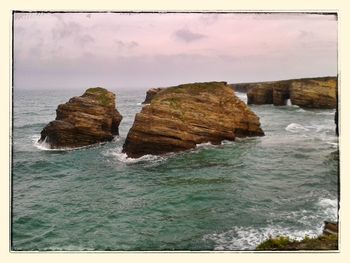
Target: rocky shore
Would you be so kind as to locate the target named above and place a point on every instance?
(89, 119)
(178, 118)
(327, 241)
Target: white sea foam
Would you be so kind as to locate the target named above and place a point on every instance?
(44, 146)
(329, 207)
(204, 145)
(333, 144)
(241, 96)
(122, 157)
(326, 113)
(295, 127)
(247, 238)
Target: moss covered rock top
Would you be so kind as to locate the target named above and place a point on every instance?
(84, 120)
(101, 95)
(323, 242)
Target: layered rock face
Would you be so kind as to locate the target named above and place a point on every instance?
(317, 93)
(85, 120)
(180, 117)
(314, 93)
(260, 94)
(150, 94)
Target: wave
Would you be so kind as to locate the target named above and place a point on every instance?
(247, 238)
(122, 157)
(329, 208)
(295, 127)
(326, 113)
(205, 145)
(44, 146)
(31, 125)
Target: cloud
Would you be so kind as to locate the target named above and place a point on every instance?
(125, 45)
(188, 36)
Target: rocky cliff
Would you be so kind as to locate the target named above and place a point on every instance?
(180, 117)
(307, 93)
(150, 94)
(85, 120)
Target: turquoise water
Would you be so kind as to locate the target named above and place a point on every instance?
(226, 197)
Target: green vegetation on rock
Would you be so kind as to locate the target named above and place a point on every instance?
(323, 242)
(194, 88)
(100, 94)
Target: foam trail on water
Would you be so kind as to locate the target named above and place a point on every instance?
(295, 127)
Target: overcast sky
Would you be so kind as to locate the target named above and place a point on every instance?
(113, 50)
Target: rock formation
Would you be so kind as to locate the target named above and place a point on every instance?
(85, 120)
(317, 93)
(150, 94)
(180, 117)
(327, 241)
(330, 228)
(314, 93)
(260, 94)
(242, 87)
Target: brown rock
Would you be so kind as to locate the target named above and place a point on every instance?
(281, 93)
(180, 117)
(150, 94)
(85, 120)
(314, 93)
(260, 93)
(242, 87)
(317, 93)
(330, 228)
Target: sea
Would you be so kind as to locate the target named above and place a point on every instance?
(227, 197)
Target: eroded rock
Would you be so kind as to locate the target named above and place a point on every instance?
(317, 93)
(85, 120)
(150, 94)
(181, 117)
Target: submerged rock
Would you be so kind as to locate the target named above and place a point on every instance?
(85, 120)
(181, 117)
(317, 93)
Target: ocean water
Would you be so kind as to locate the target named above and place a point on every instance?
(226, 197)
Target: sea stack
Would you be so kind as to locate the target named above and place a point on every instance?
(178, 118)
(89, 119)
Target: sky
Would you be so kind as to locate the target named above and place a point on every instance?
(146, 50)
